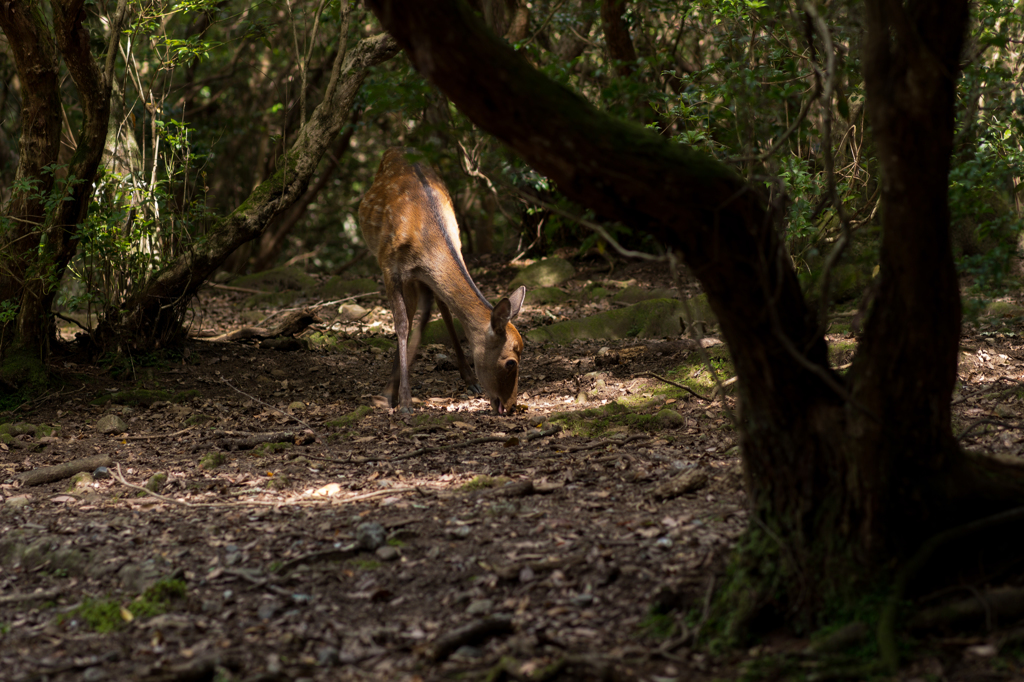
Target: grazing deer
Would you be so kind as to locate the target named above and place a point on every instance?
(408, 221)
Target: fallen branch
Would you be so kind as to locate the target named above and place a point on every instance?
(59, 472)
(244, 440)
(677, 385)
(530, 435)
(160, 435)
(475, 632)
(30, 596)
(292, 324)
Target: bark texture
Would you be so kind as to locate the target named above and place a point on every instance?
(846, 476)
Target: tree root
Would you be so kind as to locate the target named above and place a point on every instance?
(917, 563)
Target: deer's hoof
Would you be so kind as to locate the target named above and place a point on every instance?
(475, 389)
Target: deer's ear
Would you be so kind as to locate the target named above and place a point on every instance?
(516, 300)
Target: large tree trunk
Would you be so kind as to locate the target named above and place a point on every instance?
(39, 249)
(154, 315)
(846, 475)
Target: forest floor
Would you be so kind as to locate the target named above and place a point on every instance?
(300, 533)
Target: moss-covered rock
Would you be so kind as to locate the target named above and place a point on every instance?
(277, 280)
(651, 319)
(545, 296)
(635, 294)
(549, 272)
(336, 287)
(436, 332)
(351, 418)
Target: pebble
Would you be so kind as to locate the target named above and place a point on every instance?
(111, 423)
(387, 553)
(458, 532)
(479, 607)
(584, 599)
(370, 535)
(101, 472)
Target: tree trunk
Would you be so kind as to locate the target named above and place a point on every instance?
(155, 313)
(846, 476)
(616, 36)
(43, 242)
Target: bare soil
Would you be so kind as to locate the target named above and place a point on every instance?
(446, 544)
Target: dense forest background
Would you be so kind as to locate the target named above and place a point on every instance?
(793, 156)
(207, 99)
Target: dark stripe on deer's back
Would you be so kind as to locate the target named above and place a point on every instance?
(437, 215)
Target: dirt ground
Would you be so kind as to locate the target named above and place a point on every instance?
(352, 543)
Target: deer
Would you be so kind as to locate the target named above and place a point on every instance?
(408, 222)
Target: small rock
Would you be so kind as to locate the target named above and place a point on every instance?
(156, 481)
(606, 357)
(327, 656)
(94, 674)
(387, 553)
(585, 599)
(581, 398)
(267, 609)
(467, 651)
(101, 472)
(296, 406)
(458, 532)
(18, 501)
(350, 312)
(370, 535)
(537, 420)
(479, 607)
(111, 423)
(669, 418)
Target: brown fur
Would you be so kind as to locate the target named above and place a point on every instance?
(407, 220)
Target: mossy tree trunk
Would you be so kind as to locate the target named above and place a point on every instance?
(39, 239)
(153, 316)
(846, 475)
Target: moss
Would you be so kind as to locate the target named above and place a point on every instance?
(364, 564)
(331, 343)
(380, 342)
(657, 318)
(108, 615)
(546, 295)
(198, 420)
(437, 332)
(482, 482)
(549, 272)
(270, 448)
(278, 279)
(184, 396)
(351, 418)
(635, 294)
(1004, 310)
(279, 482)
(156, 481)
(212, 460)
(336, 287)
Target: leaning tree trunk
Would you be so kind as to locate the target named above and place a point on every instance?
(154, 315)
(845, 476)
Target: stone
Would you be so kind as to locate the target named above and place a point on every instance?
(111, 423)
(549, 272)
